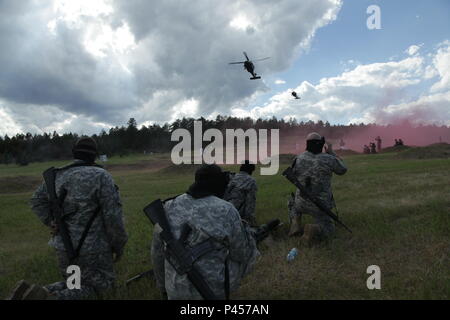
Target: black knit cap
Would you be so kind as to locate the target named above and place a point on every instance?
(209, 180)
(86, 145)
(247, 167)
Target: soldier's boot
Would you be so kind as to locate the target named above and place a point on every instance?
(310, 235)
(36, 292)
(295, 228)
(19, 290)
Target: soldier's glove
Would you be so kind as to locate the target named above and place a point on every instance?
(329, 148)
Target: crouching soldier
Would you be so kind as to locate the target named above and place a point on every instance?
(221, 246)
(314, 170)
(81, 205)
(241, 192)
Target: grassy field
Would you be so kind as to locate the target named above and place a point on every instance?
(398, 209)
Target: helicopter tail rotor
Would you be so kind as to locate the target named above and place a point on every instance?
(262, 59)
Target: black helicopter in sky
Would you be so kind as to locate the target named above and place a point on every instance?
(249, 66)
(294, 94)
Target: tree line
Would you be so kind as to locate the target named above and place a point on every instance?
(25, 148)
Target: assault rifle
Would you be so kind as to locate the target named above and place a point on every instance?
(57, 211)
(264, 230)
(289, 174)
(259, 234)
(181, 258)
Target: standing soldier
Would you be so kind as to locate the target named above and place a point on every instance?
(91, 220)
(314, 170)
(373, 148)
(342, 145)
(378, 140)
(241, 192)
(212, 223)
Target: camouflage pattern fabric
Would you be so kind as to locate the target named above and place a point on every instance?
(241, 192)
(209, 217)
(314, 171)
(88, 188)
(97, 276)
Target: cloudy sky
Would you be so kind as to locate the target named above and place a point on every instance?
(86, 65)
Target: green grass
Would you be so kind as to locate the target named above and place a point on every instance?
(398, 211)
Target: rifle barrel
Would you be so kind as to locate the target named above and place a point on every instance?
(289, 174)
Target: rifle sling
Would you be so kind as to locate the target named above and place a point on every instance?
(76, 253)
(86, 231)
(288, 173)
(184, 257)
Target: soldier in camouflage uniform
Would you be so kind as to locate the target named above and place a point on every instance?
(241, 192)
(314, 170)
(210, 217)
(90, 189)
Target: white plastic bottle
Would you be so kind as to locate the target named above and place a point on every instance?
(292, 254)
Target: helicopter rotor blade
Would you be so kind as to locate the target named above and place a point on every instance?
(246, 56)
(237, 62)
(262, 59)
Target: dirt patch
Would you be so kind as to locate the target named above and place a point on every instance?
(181, 168)
(346, 152)
(19, 184)
(395, 149)
(142, 165)
(433, 151)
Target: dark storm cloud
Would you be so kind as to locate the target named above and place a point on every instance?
(191, 44)
(41, 68)
(181, 53)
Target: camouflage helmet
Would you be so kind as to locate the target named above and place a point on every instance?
(313, 136)
(314, 142)
(86, 145)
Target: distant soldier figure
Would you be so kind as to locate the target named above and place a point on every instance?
(366, 149)
(314, 170)
(92, 216)
(400, 142)
(210, 219)
(373, 148)
(341, 144)
(378, 140)
(396, 142)
(241, 192)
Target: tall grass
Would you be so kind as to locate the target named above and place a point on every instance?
(398, 211)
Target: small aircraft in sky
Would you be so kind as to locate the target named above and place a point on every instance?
(294, 94)
(249, 66)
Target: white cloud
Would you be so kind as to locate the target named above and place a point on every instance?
(8, 125)
(87, 65)
(370, 93)
(412, 50)
(441, 63)
(109, 60)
